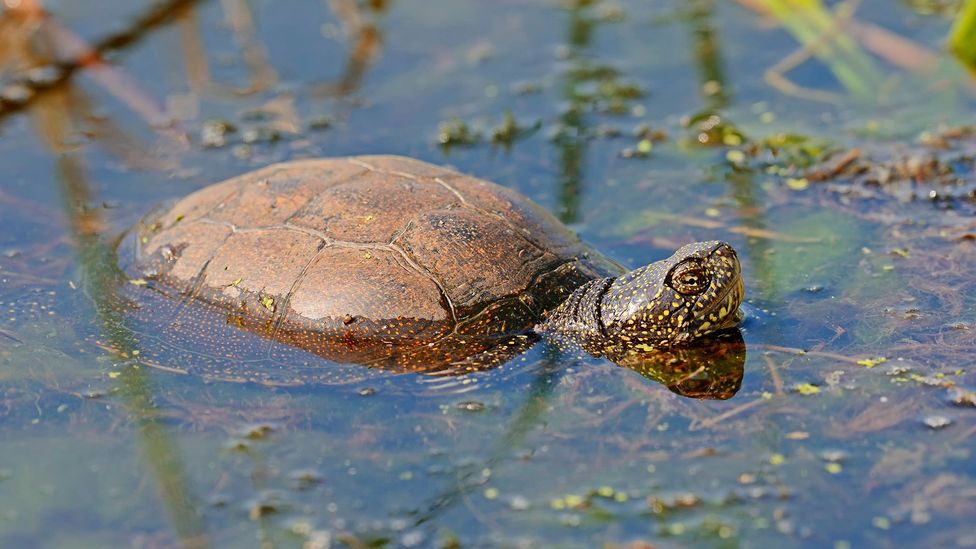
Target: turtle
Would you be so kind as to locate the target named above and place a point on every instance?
(398, 265)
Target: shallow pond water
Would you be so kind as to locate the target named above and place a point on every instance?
(843, 176)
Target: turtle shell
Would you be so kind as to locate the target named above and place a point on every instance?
(379, 260)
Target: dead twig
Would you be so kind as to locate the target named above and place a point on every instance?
(7, 335)
(802, 352)
(711, 422)
(965, 435)
(774, 374)
(739, 229)
(896, 49)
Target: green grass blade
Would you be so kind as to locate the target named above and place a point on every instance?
(815, 27)
(962, 36)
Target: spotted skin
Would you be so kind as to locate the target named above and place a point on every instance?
(694, 292)
(391, 263)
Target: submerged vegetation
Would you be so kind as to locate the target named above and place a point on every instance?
(829, 142)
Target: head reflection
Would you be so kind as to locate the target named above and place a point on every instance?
(711, 368)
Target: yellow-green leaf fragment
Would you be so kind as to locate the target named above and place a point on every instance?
(962, 36)
(268, 303)
(797, 183)
(735, 156)
(807, 389)
(138, 281)
(573, 500)
(731, 139)
(676, 529)
(872, 362)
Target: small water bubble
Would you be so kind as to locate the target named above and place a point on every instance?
(42, 77)
(519, 503)
(305, 478)
(214, 133)
(471, 406)
(834, 456)
(15, 94)
(413, 538)
(936, 422)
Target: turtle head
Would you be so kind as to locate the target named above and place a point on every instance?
(694, 292)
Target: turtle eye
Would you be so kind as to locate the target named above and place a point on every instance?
(689, 277)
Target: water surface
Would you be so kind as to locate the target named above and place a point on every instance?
(642, 125)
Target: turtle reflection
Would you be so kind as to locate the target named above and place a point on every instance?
(711, 369)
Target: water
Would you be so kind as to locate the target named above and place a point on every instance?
(859, 329)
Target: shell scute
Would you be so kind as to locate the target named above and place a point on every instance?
(256, 266)
(371, 208)
(477, 258)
